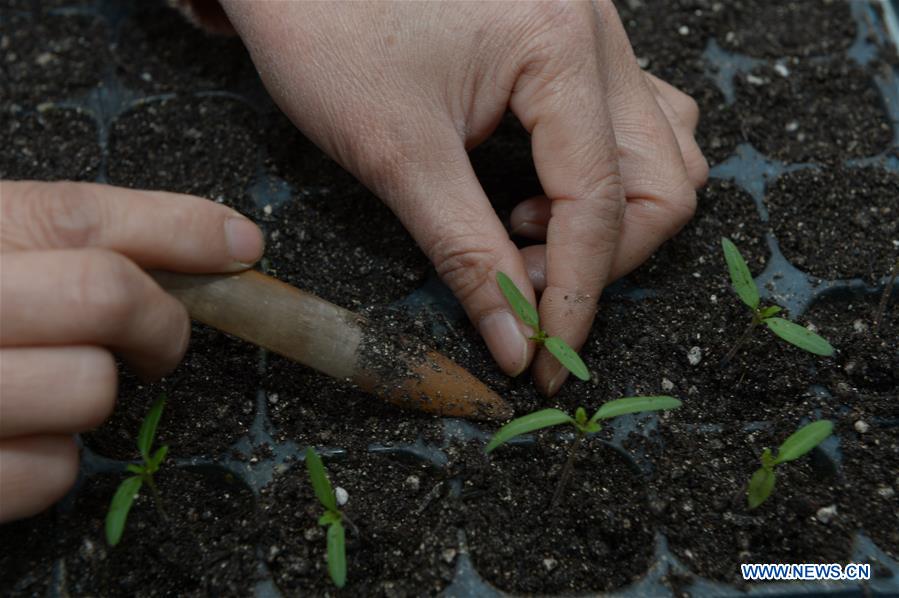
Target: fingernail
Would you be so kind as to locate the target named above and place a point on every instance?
(506, 341)
(531, 230)
(555, 383)
(244, 240)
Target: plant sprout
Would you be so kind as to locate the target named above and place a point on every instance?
(561, 350)
(744, 285)
(799, 443)
(128, 490)
(332, 518)
(546, 418)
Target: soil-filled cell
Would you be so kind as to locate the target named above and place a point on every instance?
(700, 484)
(837, 223)
(204, 146)
(396, 542)
(158, 50)
(205, 545)
(50, 57)
(49, 144)
(773, 28)
(599, 537)
(808, 111)
(211, 401)
(868, 357)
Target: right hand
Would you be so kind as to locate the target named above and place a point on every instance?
(73, 292)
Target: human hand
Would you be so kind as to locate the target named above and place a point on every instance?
(72, 291)
(398, 92)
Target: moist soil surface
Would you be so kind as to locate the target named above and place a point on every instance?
(187, 115)
(397, 541)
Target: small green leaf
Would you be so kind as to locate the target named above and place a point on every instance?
(580, 416)
(567, 357)
(337, 554)
(522, 306)
(528, 423)
(800, 336)
(591, 427)
(768, 459)
(119, 508)
(803, 440)
(769, 311)
(330, 518)
(635, 405)
(320, 482)
(159, 456)
(760, 486)
(138, 469)
(740, 276)
(148, 428)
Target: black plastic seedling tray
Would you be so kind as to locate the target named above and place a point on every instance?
(263, 451)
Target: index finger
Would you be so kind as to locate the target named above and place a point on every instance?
(153, 228)
(576, 157)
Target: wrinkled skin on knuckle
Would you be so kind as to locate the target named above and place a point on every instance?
(465, 262)
(106, 290)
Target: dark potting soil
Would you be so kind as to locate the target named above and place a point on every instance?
(165, 145)
(50, 57)
(699, 497)
(599, 537)
(783, 114)
(837, 222)
(868, 359)
(211, 401)
(49, 144)
(157, 50)
(399, 546)
(206, 548)
(27, 554)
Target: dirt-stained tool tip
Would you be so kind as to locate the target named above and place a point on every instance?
(307, 329)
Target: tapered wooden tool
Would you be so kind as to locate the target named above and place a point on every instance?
(307, 329)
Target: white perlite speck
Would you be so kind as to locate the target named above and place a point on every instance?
(826, 514)
(550, 564)
(341, 495)
(667, 384)
(861, 426)
(694, 355)
(781, 69)
(754, 80)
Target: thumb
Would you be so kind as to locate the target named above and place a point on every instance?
(447, 212)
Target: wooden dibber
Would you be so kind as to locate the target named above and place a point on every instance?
(307, 329)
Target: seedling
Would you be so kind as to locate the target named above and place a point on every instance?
(799, 443)
(744, 285)
(561, 350)
(128, 490)
(332, 518)
(546, 418)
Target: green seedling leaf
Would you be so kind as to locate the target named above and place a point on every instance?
(330, 518)
(634, 405)
(528, 423)
(138, 469)
(337, 554)
(770, 311)
(760, 486)
(768, 459)
(567, 357)
(803, 440)
(591, 427)
(800, 336)
(148, 428)
(320, 482)
(159, 456)
(580, 416)
(740, 276)
(119, 508)
(522, 306)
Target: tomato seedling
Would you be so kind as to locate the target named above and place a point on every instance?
(127, 492)
(561, 350)
(546, 418)
(332, 518)
(745, 287)
(799, 443)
